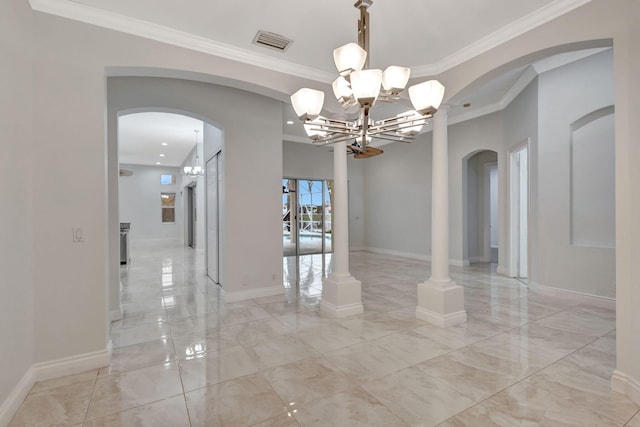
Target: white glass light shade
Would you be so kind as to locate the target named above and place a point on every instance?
(426, 97)
(197, 169)
(411, 128)
(313, 129)
(395, 78)
(187, 170)
(341, 88)
(307, 103)
(349, 58)
(366, 86)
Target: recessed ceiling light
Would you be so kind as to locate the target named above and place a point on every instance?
(157, 163)
(289, 122)
(164, 144)
(161, 155)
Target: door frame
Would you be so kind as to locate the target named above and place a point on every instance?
(216, 158)
(515, 211)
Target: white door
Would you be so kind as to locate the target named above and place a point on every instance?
(519, 209)
(213, 209)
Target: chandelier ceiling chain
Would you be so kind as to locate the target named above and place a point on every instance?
(359, 86)
(196, 170)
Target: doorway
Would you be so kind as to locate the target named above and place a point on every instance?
(519, 210)
(191, 216)
(306, 216)
(481, 207)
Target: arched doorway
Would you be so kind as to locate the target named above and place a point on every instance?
(480, 178)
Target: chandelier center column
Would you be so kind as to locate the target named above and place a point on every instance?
(440, 300)
(341, 292)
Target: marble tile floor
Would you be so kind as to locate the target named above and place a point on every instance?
(184, 357)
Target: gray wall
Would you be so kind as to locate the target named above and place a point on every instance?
(465, 140)
(397, 184)
(16, 232)
(397, 196)
(252, 165)
(520, 127)
(139, 202)
(565, 95)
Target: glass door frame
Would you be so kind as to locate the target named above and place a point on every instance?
(296, 217)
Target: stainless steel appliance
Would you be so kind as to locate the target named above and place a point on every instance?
(124, 243)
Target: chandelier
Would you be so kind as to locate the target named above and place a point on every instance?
(357, 86)
(195, 170)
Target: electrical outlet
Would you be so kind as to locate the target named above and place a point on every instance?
(78, 234)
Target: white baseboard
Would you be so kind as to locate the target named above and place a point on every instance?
(501, 269)
(71, 365)
(46, 371)
(580, 296)
(242, 295)
(342, 311)
(115, 315)
(459, 262)
(443, 321)
(11, 405)
(477, 259)
(357, 248)
(622, 383)
(411, 255)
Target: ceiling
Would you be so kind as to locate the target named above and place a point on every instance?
(141, 138)
(430, 36)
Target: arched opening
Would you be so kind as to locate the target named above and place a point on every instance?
(156, 201)
(480, 205)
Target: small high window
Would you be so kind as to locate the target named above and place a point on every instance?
(167, 179)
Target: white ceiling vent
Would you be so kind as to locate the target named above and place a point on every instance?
(272, 40)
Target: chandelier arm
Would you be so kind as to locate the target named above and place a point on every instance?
(331, 128)
(401, 120)
(395, 138)
(334, 140)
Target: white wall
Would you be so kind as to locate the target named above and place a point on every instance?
(567, 94)
(252, 165)
(397, 199)
(139, 202)
(466, 139)
(67, 125)
(520, 127)
(16, 191)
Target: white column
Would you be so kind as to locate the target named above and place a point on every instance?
(440, 300)
(341, 292)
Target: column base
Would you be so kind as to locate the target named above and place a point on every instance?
(441, 303)
(341, 296)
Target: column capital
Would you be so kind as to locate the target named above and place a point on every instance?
(444, 109)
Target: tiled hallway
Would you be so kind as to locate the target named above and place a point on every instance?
(184, 357)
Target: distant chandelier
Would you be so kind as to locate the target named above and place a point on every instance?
(358, 85)
(195, 170)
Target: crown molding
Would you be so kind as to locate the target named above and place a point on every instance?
(561, 60)
(113, 21)
(90, 15)
(517, 28)
(526, 77)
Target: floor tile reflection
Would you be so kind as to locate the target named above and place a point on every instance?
(183, 356)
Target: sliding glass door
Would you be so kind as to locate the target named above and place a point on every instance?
(306, 216)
